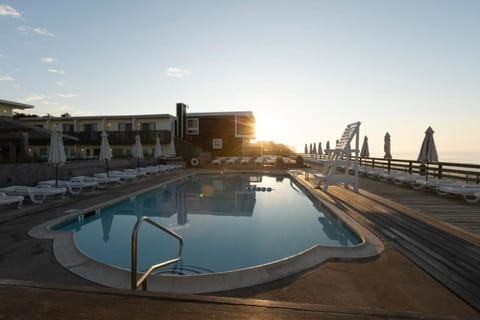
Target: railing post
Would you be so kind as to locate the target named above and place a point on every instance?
(133, 273)
(440, 171)
(410, 167)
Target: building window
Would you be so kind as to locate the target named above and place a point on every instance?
(244, 126)
(147, 126)
(90, 127)
(67, 127)
(217, 143)
(126, 126)
(192, 126)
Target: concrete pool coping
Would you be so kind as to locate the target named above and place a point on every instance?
(73, 259)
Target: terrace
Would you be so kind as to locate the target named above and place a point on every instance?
(397, 284)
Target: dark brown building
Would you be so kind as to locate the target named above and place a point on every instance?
(221, 133)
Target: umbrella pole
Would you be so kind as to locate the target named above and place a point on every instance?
(106, 165)
(56, 176)
(426, 173)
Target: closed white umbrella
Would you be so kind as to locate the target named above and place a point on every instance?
(320, 151)
(56, 153)
(137, 149)
(306, 149)
(314, 151)
(365, 152)
(387, 146)
(157, 153)
(105, 152)
(327, 147)
(428, 151)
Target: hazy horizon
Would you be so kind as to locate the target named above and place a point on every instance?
(305, 69)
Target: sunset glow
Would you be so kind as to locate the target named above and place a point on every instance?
(304, 69)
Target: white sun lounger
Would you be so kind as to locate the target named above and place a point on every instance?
(390, 175)
(218, 160)
(468, 192)
(245, 160)
(168, 167)
(406, 178)
(259, 160)
(162, 168)
(5, 199)
(75, 185)
(433, 183)
(363, 170)
(138, 173)
(36, 194)
(103, 180)
(374, 173)
(150, 169)
(123, 176)
(231, 160)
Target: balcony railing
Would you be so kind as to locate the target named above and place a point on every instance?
(121, 137)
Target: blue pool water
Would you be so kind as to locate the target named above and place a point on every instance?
(228, 222)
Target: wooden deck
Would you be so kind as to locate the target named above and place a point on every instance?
(27, 300)
(409, 220)
(453, 210)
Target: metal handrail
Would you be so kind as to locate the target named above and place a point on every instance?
(143, 279)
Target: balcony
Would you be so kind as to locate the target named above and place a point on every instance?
(121, 137)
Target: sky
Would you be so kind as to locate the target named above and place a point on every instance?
(305, 68)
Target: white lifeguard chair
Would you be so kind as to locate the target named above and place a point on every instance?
(342, 156)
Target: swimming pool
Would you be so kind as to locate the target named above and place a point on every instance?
(228, 222)
(239, 230)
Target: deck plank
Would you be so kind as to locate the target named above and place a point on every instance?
(24, 300)
(440, 234)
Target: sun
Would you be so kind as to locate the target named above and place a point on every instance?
(266, 128)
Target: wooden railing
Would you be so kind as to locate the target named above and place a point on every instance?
(460, 171)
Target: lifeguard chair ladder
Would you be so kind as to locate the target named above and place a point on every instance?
(342, 155)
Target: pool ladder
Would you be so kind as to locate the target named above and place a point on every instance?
(143, 279)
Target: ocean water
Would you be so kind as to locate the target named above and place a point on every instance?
(471, 157)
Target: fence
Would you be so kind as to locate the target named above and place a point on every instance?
(459, 171)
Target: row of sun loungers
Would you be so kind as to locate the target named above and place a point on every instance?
(36, 194)
(16, 194)
(247, 160)
(231, 160)
(469, 191)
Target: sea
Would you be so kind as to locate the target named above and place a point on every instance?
(470, 157)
